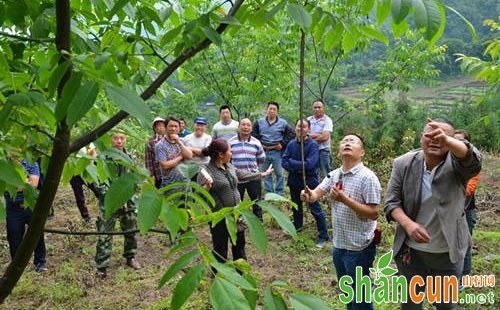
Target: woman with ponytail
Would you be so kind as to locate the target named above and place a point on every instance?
(221, 178)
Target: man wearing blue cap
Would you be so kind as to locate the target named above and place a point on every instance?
(198, 140)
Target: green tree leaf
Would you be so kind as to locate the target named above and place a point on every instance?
(440, 31)
(41, 28)
(116, 7)
(367, 6)
(427, 17)
(230, 20)
(120, 191)
(5, 112)
(69, 91)
(170, 35)
(174, 217)
(469, 25)
(10, 175)
(186, 286)
(273, 301)
(383, 11)
(400, 9)
(384, 260)
(334, 36)
(257, 232)
(230, 274)
(212, 35)
(82, 102)
(189, 170)
(129, 101)
(149, 208)
(371, 32)
(30, 195)
(56, 76)
(231, 227)
(306, 301)
(250, 295)
(348, 42)
(178, 265)
(225, 295)
(280, 217)
(400, 29)
(300, 15)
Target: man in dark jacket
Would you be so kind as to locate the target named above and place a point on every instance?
(292, 162)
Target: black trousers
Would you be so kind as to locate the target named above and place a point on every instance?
(77, 185)
(254, 190)
(220, 239)
(17, 220)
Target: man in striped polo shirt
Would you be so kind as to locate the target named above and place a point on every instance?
(248, 154)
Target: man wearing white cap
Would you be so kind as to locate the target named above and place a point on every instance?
(151, 164)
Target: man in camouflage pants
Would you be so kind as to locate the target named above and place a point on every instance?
(126, 215)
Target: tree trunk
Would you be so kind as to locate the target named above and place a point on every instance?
(56, 164)
(62, 149)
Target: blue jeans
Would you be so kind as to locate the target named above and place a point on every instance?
(345, 263)
(471, 216)
(316, 211)
(274, 157)
(325, 162)
(17, 220)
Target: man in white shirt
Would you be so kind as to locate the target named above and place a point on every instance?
(198, 140)
(321, 131)
(226, 127)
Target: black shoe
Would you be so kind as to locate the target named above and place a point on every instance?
(101, 273)
(41, 267)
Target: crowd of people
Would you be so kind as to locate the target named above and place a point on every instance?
(430, 194)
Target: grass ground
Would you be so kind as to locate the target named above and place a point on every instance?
(70, 282)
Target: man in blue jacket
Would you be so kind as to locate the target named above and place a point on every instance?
(274, 133)
(292, 162)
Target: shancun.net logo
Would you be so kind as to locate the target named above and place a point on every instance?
(387, 287)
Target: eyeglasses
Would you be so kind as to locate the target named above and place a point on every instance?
(350, 141)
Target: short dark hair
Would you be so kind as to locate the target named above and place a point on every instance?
(463, 132)
(224, 107)
(274, 103)
(359, 137)
(443, 120)
(172, 118)
(304, 120)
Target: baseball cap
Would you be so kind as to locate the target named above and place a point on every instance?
(158, 119)
(200, 120)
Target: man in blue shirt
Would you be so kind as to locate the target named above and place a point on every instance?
(274, 133)
(18, 217)
(292, 162)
